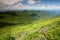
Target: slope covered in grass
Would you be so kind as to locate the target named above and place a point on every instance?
(29, 26)
(23, 17)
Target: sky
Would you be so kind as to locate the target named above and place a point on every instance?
(29, 5)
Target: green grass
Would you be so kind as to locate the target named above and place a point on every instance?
(28, 27)
(54, 33)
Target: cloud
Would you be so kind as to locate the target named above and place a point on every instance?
(49, 7)
(52, 7)
(32, 5)
(8, 3)
(42, 7)
(16, 7)
(31, 1)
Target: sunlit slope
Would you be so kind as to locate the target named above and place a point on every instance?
(29, 26)
(33, 31)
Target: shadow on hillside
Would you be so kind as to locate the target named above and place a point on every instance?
(3, 24)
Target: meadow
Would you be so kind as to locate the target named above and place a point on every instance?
(29, 25)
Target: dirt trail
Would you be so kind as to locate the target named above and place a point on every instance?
(43, 31)
(21, 36)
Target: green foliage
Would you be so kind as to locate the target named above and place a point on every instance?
(10, 38)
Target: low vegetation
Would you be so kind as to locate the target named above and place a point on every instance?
(29, 25)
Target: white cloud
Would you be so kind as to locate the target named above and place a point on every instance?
(49, 7)
(16, 7)
(7, 3)
(42, 7)
(53, 7)
(31, 1)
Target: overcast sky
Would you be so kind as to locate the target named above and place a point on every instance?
(29, 4)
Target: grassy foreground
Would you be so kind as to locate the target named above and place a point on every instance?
(28, 26)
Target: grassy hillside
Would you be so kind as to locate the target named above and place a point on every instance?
(28, 25)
